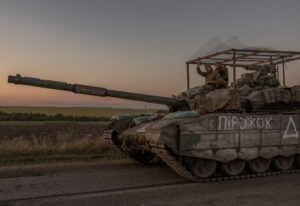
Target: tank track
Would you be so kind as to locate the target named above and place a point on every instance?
(107, 137)
(162, 152)
(107, 134)
(173, 163)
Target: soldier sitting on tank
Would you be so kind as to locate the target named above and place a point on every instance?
(223, 73)
(213, 79)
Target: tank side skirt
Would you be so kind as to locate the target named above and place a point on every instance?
(270, 140)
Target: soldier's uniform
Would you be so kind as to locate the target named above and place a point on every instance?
(224, 75)
(213, 80)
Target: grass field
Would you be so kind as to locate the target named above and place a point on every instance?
(31, 123)
(74, 111)
(65, 146)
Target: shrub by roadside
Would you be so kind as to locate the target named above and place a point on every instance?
(4, 116)
(66, 146)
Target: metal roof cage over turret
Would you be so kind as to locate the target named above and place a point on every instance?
(244, 58)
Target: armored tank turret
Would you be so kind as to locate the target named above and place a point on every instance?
(208, 136)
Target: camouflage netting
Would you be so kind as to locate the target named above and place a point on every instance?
(287, 95)
(244, 99)
(273, 95)
(220, 99)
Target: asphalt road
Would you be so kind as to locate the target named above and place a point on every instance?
(128, 183)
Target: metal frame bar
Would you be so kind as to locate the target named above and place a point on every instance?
(188, 75)
(239, 57)
(283, 72)
(208, 56)
(246, 55)
(277, 58)
(287, 60)
(230, 65)
(234, 69)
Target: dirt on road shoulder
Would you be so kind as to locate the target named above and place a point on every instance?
(54, 168)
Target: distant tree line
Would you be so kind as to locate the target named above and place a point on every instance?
(4, 116)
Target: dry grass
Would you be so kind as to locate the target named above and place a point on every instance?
(66, 146)
(31, 123)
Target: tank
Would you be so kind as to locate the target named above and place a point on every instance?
(230, 133)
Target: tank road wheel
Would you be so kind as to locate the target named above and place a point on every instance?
(283, 163)
(259, 165)
(202, 168)
(233, 168)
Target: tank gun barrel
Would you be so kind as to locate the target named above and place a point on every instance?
(173, 103)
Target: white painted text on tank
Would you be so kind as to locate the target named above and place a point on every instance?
(236, 122)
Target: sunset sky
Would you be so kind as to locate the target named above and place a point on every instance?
(138, 46)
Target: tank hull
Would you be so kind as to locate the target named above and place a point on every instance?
(223, 138)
